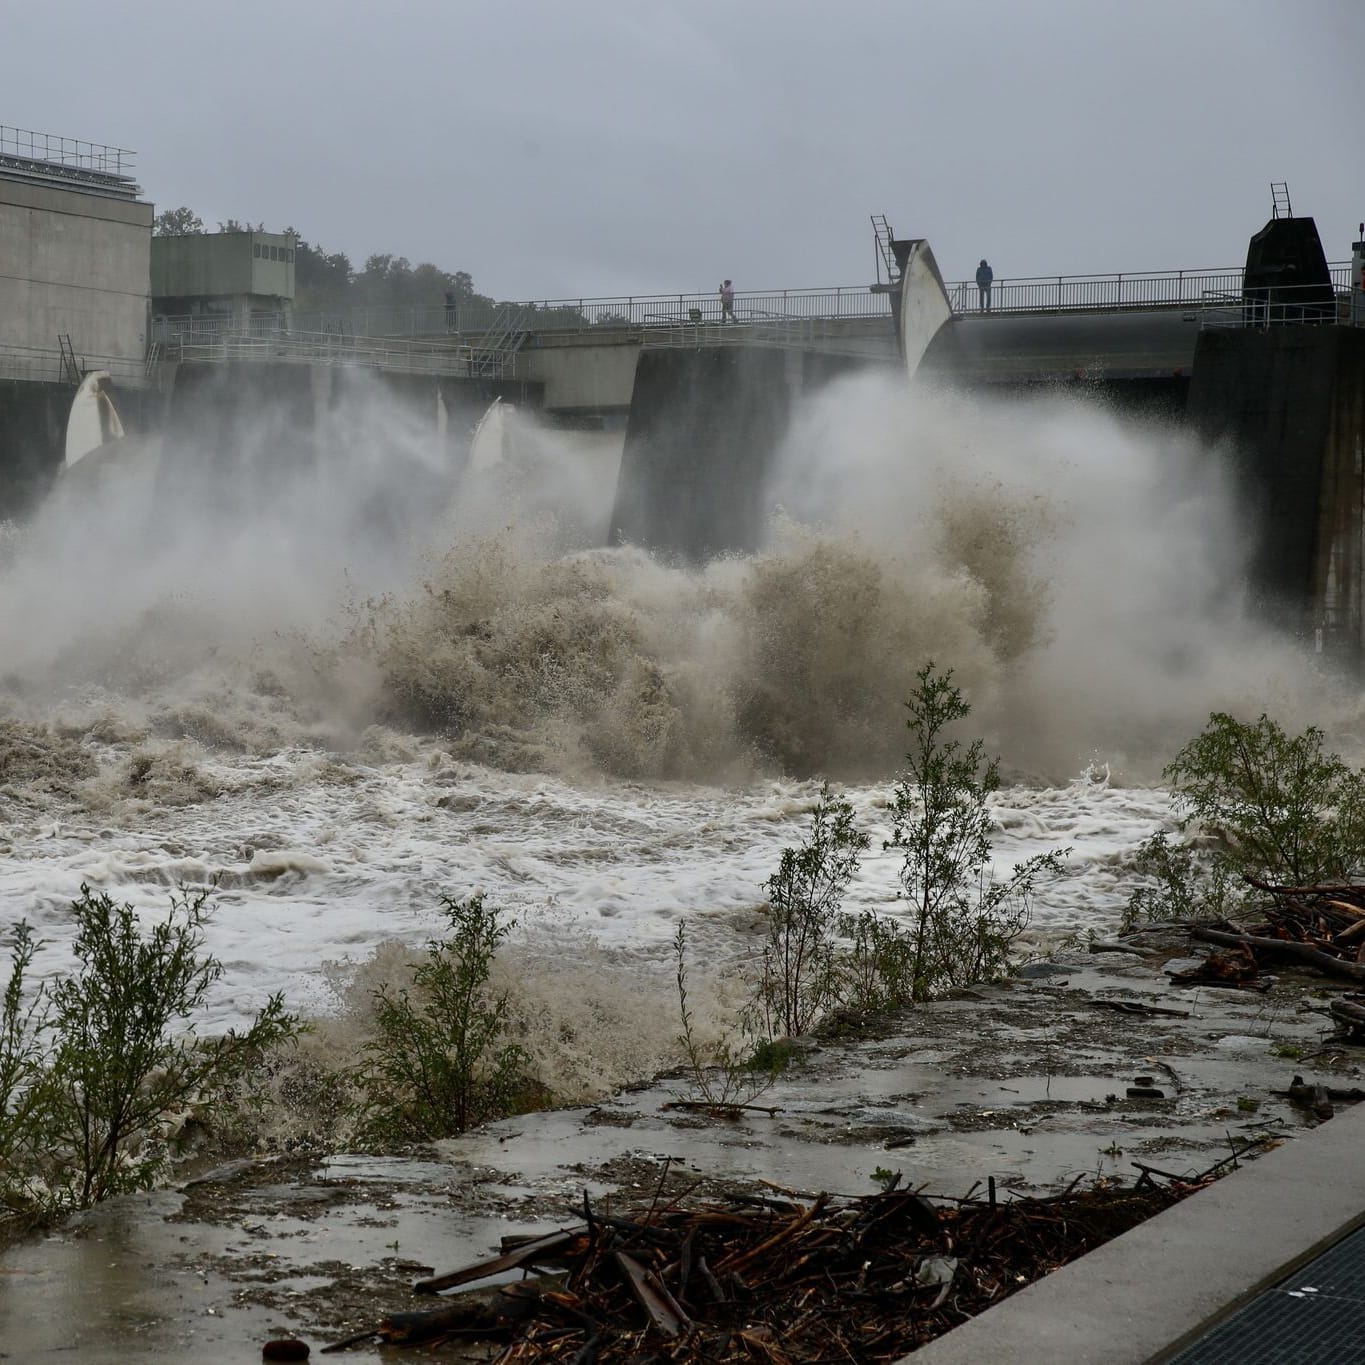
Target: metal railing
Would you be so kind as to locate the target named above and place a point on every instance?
(823, 334)
(47, 158)
(645, 313)
(1148, 289)
(43, 364)
(1277, 306)
(392, 354)
(629, 312)
(65, 151)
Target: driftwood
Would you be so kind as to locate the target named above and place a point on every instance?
(476, 1314)
(1138, 1007)
(1312, 1097)
(1305, 952)
(537, 1251)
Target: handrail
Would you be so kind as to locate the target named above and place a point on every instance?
(44, 364)
(1275, 305)
(638, 312)
(328, 348)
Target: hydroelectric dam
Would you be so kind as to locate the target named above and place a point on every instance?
(1265, 360)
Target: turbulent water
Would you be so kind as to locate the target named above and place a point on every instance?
(343, 686)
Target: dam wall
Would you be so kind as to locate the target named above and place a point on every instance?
(703, 428)
(1287, 404)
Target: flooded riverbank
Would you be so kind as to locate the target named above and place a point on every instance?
(1025, 1083)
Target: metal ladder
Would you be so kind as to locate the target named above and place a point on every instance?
(501, 342)
(886, 254)
(71, 370)
(1279, 199)
(150, 369)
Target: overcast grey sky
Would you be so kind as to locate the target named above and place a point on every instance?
(558, 148)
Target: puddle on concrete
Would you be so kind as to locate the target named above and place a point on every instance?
(1024, 1083)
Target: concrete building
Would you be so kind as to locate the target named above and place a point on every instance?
(75, 248)
(75, 241)
(228, 281)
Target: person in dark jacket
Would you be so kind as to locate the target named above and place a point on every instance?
(984, 276)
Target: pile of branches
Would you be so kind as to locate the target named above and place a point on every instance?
(771, 1279)
(1322, 926)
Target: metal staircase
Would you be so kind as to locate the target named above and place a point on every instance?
(886, 254)
(491, 355)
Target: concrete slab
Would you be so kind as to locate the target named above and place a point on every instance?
(1144, 1296)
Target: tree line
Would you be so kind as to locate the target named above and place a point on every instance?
(327, 281)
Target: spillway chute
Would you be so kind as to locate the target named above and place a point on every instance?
(93, 420)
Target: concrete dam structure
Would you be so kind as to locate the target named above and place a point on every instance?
(1274, 376)
(1266, 362)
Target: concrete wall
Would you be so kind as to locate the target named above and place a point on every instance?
(1289, 405)
(703, 428)
(581, 373)
(593, 372)
(73, 264)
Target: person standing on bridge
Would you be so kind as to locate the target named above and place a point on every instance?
(727, 302)
(984, 276)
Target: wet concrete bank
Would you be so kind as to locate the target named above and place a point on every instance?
(1027, 1083)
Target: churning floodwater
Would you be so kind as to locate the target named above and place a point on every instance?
(342, 686)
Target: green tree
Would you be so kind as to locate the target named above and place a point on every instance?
(181, 222)
(963, 921)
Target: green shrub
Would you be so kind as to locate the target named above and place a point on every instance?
(1281, 809)
(963, 921)
(99, 1061)
(1288, 812)
(877, 971)
(800, 975)
(1180, 887)
(439, 1062)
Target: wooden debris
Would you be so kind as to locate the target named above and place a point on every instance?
(1321, 926)
(838, 1278)
(1138, 1007)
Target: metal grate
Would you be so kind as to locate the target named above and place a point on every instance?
(1312, 1317)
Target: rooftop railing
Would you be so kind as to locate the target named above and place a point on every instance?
(47, 158)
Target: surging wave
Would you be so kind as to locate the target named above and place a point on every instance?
(1081, 575)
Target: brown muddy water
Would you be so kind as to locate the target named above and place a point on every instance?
(1024, 1082)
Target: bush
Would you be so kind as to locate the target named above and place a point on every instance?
(438, 1063)
(1288, 812)
(800, 978)
(963, 921)
(1281, 809)
(876, 973)
(97, 1063)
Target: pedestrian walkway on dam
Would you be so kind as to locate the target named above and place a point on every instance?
(1265, 1266)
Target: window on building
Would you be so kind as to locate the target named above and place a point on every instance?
(274, 253)
(256, 251)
